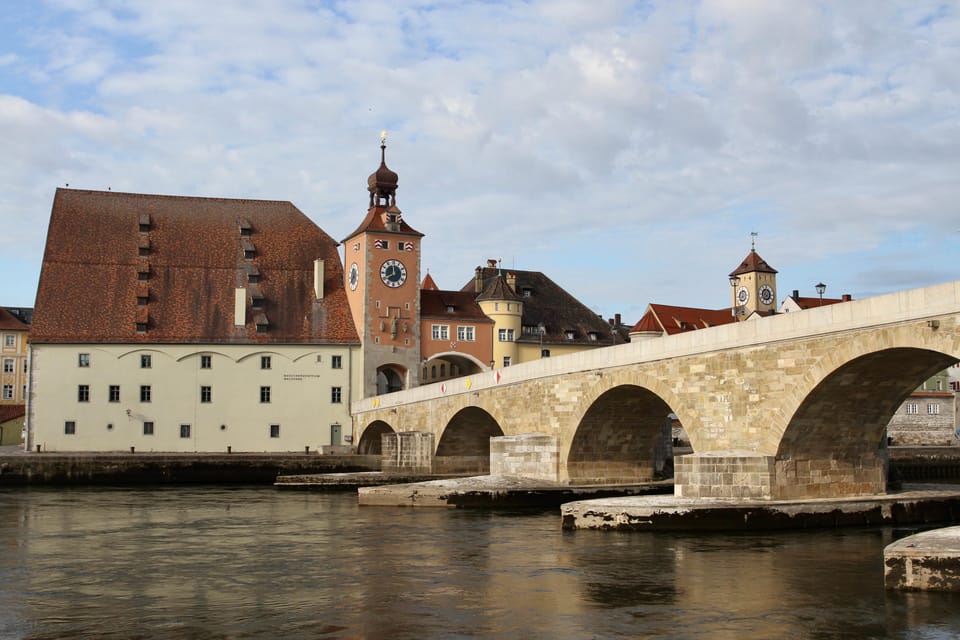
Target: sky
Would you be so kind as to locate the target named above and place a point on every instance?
(628, 150)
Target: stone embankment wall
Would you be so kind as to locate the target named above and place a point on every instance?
(162, 468)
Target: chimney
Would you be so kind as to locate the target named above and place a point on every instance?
(478, 279)
(491, 263)
(512, 281)
(239, 307)
(318, 278)
(846, 297)
(796, 294)
(618, 321)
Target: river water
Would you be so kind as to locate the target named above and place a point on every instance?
(254, 562)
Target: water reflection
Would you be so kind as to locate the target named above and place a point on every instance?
(215, 562)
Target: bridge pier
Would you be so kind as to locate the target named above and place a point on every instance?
(739, 475)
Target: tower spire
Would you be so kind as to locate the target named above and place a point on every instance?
(382, 183)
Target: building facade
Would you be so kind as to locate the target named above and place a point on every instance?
(167, 323)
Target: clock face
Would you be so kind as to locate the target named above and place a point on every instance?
(766, 294)
(354, 276)
(393, 273)
(743, 295)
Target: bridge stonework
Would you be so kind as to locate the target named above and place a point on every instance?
(791, 406)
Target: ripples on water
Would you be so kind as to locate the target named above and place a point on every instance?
(225, 562)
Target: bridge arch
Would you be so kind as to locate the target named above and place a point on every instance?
(620, 438)
(390, 378)
(370, 443)
(464, 445)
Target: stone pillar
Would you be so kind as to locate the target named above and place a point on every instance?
(407, 451)
(531, 455)
(727, 475)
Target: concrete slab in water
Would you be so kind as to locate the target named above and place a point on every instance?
(927, 561)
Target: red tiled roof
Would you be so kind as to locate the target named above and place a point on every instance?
(810, 303)
(675, 320)
(434, 304)
(89, 282)
(9, 322)
(376, 220)
(647, 324)
(753, 262)
(428, 283)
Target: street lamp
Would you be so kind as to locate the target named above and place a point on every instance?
(820, 289)
(541, 330)
(734, 281)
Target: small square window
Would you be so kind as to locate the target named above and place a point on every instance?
(206, 362)
(69, 427)
(206, 394)
(83, 360)
(148, 428)
(10, 340)
(184, 431)
(114, 393)
(145, 393)
(265, 362)
(264, 394)
(146, 361)
(83, 393)
(506, 361)
(336, 395)
(336, 362)
(274, 431)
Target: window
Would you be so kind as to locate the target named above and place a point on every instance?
(433, 371)
(274, 431)
(184, 431)
(336, 394)
(527, 292)
(83, 393)
(506, 335)
(8, 392)
(465, 334)
(8, 365)
(114, 393)
(933, 409)
(83, 359)
(69, 427)
(206, 362)
(146, 361)
(336, 362)
(264, 394)
(939, 385)
(443, 371)
(144, 393)
(450, 308)
(10, 340)
(148, 428)
(593, 335)
(142, 301)
(912, 408)
(206, 394)
(570, 334)
(265, 362)
(440, 332)
(506, 361)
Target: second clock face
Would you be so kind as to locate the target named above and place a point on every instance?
(354, 276)
(766, 294)
(393, 273)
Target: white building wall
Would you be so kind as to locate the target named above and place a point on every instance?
(301, 379)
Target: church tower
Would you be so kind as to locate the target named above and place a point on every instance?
(753, 286)
(382, 272)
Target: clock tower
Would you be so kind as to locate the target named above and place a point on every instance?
(382, 272)
(753, 287)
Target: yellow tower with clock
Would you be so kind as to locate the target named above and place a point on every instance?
(753, 287)
(382, 272)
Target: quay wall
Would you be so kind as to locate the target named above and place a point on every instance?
(171, 468)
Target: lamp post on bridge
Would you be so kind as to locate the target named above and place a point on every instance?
(734, 281)
(820, 289)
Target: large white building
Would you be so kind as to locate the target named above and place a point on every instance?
(188, 324)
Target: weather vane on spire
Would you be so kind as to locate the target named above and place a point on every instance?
(753, 240)
(383, 137)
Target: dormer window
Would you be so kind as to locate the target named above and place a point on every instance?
(593, 335)
(253, 273)
(260, 319)
(246, 229)
(143, 246)
(450, 308)
(527, 292)
(144, 222)
(249, 250)
(143, 271)
(570, 334)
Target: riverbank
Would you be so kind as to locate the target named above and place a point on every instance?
(22, 469)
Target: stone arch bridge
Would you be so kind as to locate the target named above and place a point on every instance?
(786, 407)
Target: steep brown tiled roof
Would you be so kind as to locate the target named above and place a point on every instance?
(647, 324)
(544, 301)
(675, 320)
(428, 283)
(93, 272)
(376, 220)
(496, 288)
(812, 303)
(435, 304)
(753, 262)
(9, 322)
